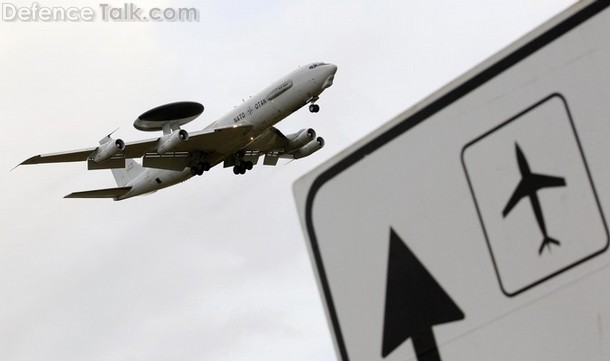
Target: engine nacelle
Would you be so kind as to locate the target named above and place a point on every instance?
(170, 141)
(108, 150)
(309, 148)
(300, 138)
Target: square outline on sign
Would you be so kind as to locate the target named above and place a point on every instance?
(582, 155)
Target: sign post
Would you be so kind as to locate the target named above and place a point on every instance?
(474, 225)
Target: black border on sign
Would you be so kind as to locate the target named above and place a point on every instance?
(408, 123)
(582, 156)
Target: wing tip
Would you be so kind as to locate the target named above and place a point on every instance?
(30, 160)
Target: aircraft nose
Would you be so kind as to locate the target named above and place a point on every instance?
(329, 70)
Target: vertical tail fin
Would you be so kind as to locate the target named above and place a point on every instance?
(125, 175)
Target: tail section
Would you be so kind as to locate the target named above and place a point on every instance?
(548, 242)
(124, 176)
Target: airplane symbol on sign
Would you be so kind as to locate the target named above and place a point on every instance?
(529, 185)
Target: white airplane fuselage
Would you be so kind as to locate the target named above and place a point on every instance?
(261, 112)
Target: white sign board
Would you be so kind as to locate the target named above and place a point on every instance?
(474, 226)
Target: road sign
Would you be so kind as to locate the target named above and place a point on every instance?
(474, 226)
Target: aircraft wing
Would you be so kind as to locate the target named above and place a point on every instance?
(274, 145)
(210, 140)
(271, 140)
(530, 185)
(215, 140)
(547, 181)
(519, 193)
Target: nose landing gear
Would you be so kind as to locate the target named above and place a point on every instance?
(313, 107)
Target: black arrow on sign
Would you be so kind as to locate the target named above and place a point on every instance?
(414, 303)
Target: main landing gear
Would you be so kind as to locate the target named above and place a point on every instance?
(200, 168)
(242, 167)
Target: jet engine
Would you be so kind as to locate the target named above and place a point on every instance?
(170, 141)
(108, 150)
(299, 139)
(309, 148)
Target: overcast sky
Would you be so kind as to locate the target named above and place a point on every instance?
(216, 268)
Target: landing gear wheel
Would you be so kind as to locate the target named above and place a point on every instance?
(314, 108)
(242, 167)
(200, 168)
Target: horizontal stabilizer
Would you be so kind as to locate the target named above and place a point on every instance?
(101, 193)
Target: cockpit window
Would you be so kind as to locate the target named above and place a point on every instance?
(315, 65)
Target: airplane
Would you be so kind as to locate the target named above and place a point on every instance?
(237, 139)
(528, 186)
